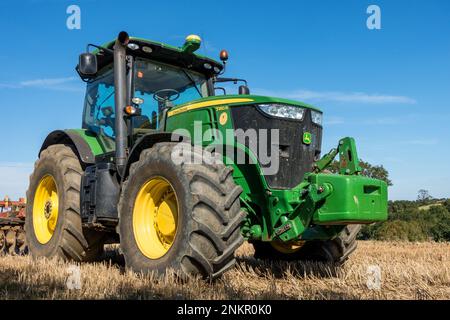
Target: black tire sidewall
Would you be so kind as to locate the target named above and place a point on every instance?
(46, 166)
(150, 168)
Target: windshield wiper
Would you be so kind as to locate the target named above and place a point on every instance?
(192, 81)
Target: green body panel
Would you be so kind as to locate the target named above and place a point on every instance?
(358, 199)
(91, 139)
(255, 99)
(348, 157)
(187, 122)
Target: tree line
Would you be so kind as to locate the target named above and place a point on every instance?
(424, 219)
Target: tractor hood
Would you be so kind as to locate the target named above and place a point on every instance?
(234, 100)
(299, 138)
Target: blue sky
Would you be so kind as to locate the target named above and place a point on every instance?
(388, 88)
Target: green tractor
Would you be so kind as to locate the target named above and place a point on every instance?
(181, 176)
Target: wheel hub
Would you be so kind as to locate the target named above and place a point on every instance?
(155, 217)
(48, 209)
(45, 209)
(164, 221)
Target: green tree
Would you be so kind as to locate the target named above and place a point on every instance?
(401, 230)
(423, 196)
(407, 222)
(437, 221)
(368, 170)
(368, 231)
(446, 204)
(399, 207)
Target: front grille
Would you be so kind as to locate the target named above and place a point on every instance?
(295, 158)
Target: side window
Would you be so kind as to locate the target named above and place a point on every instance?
(99, 105)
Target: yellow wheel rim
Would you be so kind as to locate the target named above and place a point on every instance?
(287, 247)
(155, 217)
(45, 209)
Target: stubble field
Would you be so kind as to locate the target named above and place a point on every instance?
(408, 271)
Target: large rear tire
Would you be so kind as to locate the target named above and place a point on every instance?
(184, 217)
(334, 251)
(53, 223)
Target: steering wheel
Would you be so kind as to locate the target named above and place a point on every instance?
(164, 95)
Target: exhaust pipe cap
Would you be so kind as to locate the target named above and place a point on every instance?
(123, 38)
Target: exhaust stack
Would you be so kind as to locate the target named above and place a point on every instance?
(120, 98)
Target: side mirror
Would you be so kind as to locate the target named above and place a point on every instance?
(87, 65)
(244, 90)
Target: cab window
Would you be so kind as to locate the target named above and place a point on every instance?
(163, 86)
(99, 109)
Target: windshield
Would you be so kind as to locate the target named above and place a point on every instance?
(162, 86)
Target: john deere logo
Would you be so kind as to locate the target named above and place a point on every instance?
(307, 138)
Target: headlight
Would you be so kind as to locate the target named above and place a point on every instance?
(316, 117)
(283, 111)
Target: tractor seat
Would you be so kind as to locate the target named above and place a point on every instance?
(142, 126)
(142, 122)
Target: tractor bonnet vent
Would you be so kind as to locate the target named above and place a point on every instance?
(299, 142)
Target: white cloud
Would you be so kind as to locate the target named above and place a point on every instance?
(351, 97)
(46, 82)
(61, 84)
(338, 96)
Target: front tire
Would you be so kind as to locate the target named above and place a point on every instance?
(53, 223)
(185, 217)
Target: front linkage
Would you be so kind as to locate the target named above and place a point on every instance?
(327, 202)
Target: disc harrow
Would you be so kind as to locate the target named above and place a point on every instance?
(12, 231)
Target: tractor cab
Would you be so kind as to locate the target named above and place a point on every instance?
(158, 78)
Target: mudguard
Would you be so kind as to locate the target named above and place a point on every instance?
(85, 145)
